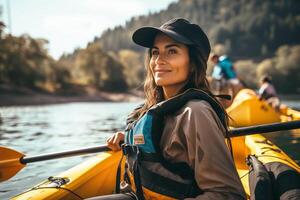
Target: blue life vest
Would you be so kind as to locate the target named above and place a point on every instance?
(227, 67)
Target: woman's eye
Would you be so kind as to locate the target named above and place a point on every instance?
(172, 51)
(154, 52)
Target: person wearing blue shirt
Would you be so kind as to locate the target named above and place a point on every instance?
(227, 67)
(224, 69)
(218, 81)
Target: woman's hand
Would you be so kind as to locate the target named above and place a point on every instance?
(113, 142)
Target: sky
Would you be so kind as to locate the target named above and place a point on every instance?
(69, 24)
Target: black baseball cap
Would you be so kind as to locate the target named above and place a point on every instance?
(180, 30)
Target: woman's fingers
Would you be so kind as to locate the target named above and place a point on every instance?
(113, 142)
(110, 143)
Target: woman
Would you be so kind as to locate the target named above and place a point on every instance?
(175, 143)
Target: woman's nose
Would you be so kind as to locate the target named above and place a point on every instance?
(160, 59)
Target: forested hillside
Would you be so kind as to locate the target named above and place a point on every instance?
(260, 36)
(25, 62)
(92, 66)
(247, 28)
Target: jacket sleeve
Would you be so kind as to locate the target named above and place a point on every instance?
(198, 131)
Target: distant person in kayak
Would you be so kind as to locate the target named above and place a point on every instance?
(218, 80)
(224, 69)
(268, 93)
(175, 142)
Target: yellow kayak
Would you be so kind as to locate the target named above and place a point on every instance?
(97, 176)
(248, 110)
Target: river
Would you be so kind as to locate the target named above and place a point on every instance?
(35, 130)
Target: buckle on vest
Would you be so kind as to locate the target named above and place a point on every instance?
(129, 149)
(124, 148)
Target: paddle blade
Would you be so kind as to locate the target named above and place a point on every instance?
(9, 163)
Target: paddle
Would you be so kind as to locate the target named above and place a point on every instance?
(264, 128)
(12, 161)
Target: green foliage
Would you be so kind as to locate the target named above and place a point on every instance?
(247, 28)
(24, 61)
(284, 69)
(133, 69)
(91, 66)
(246, 70)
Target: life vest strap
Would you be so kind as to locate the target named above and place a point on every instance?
(223, 96)
(180, 168)
(150, 157)
(118, 176)
(129, 149)
(137, 182)
(167, 186)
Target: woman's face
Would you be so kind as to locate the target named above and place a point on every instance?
(169, 63)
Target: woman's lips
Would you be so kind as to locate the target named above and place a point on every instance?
(161, 71)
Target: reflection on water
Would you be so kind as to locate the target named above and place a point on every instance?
(35, 130)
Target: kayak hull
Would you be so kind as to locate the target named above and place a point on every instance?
(96, 176)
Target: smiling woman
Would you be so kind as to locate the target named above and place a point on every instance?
(169, 64)
(174, 143)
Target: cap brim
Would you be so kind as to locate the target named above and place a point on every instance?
(146, 35)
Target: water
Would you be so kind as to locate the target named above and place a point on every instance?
(35, 130)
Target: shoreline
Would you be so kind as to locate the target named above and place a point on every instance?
(21, 96)
(48, 99)
(10, 96)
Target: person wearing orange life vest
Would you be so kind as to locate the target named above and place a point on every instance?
(175, 142)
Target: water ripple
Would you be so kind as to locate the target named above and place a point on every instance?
(10, 131)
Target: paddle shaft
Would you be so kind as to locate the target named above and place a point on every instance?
(102, 148)
(265, 128)
(233, 133)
